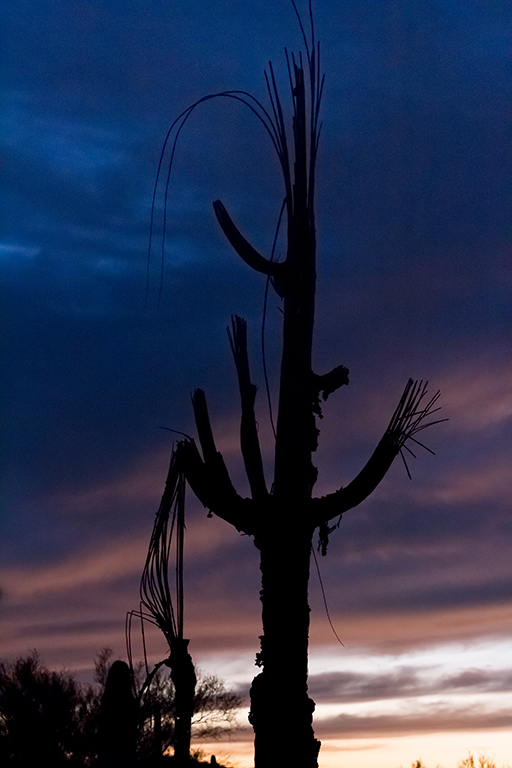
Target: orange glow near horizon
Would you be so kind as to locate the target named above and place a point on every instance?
(443, 750)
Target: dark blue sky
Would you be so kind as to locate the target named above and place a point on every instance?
(413, 219)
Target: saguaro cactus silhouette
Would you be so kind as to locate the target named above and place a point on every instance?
(117, 731)
(282, 520)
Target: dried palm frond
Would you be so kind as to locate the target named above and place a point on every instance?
(409, 418)
(143, 617)
(164, 604)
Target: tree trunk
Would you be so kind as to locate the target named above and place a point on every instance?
(281, 711)
(184, 678)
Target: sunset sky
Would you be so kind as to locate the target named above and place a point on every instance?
(414, 279)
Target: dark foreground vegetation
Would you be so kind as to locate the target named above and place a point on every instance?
(482, 761)
(48, 718)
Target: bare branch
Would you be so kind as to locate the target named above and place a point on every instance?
(248, 431)
(209, 479)
(204, 429)
(407, 420)
(245, 250)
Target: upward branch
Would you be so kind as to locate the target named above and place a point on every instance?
(245, 250)
(248, 431)
(407, 420)
(209, 478)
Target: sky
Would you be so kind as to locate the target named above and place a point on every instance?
(414, 280)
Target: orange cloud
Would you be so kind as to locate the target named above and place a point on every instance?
(98, 565)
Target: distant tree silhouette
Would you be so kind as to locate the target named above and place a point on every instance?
(214, 712)
(482, 761)
(282, 520)
(45, 716)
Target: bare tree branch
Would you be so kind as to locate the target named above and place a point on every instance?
(209, 479)
(204, 429)
(249, 441)
(407, 420)
(245, 250)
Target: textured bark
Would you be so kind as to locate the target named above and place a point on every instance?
(183, 676)
(280, 692)
(281, 711)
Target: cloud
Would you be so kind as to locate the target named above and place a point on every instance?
(15, 249)
(100, 566)
(434, 719)
(123, 554)
(472, 485)
(406, 682)
(395, 631)
(143, 483)
(476, 393)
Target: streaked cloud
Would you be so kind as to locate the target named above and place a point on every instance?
(103, 565)
(404, 683)
(432, 719)
(476, 394)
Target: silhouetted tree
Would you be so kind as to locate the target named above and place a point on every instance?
(214, 712)
(215, 708)
(482, 761)
(282, 520)
(46, 717)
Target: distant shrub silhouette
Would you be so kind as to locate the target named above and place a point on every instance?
(48, 718)
(215, 710)
(482, 761)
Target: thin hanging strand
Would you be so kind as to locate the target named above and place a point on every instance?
(325, 599)
(265, 374)
(263, 116)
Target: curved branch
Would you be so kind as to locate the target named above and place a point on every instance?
(244, 249)
(407, 420)
(209, 479)
(211, 484)
(335, 504)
